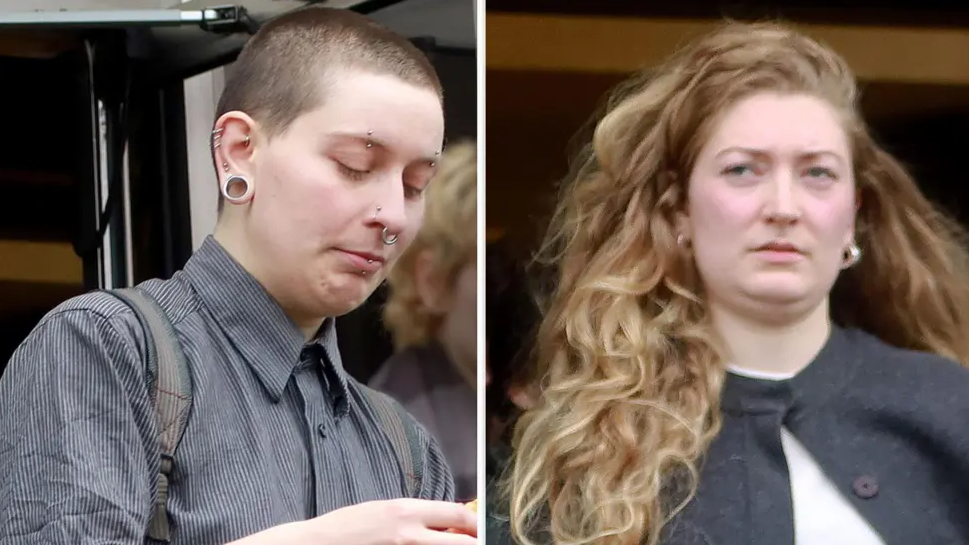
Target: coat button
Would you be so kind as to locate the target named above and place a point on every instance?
(865, 487)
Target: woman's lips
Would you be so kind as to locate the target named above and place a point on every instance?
(363, 261)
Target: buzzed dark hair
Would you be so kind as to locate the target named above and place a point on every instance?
(277, 76)
(282, 72)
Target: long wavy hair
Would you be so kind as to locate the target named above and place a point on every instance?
(632, 369)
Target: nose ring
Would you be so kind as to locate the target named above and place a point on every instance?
(388, 240)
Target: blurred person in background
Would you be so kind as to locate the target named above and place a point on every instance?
(511, 316)
(758, 334)
(328, 133)
(431, 313)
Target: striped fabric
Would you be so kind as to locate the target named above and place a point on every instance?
(424, 381)
(278, 432)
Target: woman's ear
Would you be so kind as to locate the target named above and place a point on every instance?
(234, 142)
(683, 226)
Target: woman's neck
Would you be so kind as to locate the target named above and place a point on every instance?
(780, 349)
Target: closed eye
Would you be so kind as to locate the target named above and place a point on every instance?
(412, 192)
(352, 173)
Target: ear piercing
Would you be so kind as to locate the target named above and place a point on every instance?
(236, 179)
(852, 255)
(217, 138)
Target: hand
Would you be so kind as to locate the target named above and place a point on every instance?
(393, 522)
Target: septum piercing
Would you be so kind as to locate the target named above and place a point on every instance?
(388, 240)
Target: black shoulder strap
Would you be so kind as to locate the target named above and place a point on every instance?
(403, 435)
(171, 393)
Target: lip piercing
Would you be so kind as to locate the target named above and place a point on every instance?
(375, 213)
(369, 143)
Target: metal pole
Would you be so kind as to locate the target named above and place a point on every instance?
(106, 18)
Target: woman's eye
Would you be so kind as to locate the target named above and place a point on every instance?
(412, 192)
(737, 170)
(352, 173)
(821, 172)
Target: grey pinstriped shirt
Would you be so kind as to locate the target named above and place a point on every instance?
(278, 431)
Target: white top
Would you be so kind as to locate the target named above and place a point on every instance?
(822, 515)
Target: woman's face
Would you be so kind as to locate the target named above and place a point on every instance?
(771, 205)
(314, 219)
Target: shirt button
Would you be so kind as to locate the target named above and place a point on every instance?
(865, 487)
(322, 429)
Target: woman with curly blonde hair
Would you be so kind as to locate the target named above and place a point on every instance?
(431, 312)
(758, 324)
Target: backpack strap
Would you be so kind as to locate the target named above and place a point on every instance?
(171, 394)
(402, 432)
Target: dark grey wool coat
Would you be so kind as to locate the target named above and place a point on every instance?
(889, 427)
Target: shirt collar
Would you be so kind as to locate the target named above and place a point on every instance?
(258, 328)
(830, 371)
